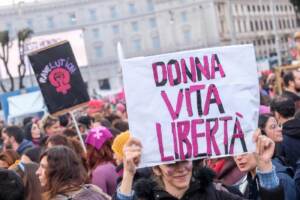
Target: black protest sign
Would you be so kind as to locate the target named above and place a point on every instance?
(59, 78)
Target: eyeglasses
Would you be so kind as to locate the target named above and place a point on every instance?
(274, 126)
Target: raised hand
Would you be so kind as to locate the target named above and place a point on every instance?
(264, 151)
(132, 155)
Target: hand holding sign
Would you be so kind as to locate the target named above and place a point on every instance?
(193, 104)
(132, 155)
(264, 151)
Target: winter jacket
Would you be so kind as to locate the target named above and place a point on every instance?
(105, 177)
(87, 192)
(297, 178)
(291, 141)
(25, 144)
(285, 175)
(201, 188)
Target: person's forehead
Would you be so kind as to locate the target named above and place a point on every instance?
(44, 161)
(296, 73)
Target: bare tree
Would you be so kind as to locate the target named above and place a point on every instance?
(23, 35)
(4, 56)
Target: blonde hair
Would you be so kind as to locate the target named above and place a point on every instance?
(47, 121)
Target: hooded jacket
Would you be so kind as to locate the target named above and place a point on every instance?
(291, 141)
(201, 188)
(285, 175)
(25, 144)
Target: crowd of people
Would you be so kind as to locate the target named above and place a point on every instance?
(44, 158)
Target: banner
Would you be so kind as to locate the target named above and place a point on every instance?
(59, 78)
(34, 43)
(192, 104)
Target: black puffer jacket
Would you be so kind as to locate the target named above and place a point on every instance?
(201, 188)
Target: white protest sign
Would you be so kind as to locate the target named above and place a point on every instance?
(193, 104)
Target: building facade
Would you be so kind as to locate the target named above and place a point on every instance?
(148, 27)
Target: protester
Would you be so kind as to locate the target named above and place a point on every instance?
(117, 147)
(120, 125)
(284, 110)
(226, 170)
(33, 133)
(8, 158)
(31, 155)
(13, 137)
(51, 125)
(30, 180)
(74, 144)
(100, 159)
(94, 107)
(62, 176)
(11, 186)
(291, 82)
(174, 181)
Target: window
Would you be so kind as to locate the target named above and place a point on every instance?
(187, 35)
(288, 23)
(72, 18)
(245, 26)
(253, 8)
(50, 22)
(136, 44)
(104, 84)
(256, 26)
(283, 23)
(96, 33)
(258, 42)
(249, 9)
(239, 26)
(150, 5)
(30, 23)
(183, 16)
(271, 24)
(156, 42)
(279, 23)
(261, 25)
(152, 22)
(251, 26)
(98, 51)
(268, 8)
(113, 12)
(258, 8)
(131, 8)
(115, 29)
(93, 14)
(266, 25)
(263, 8)
(293, 23)
(242, 8)
(135, 26)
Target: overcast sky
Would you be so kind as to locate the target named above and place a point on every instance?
(10, 2)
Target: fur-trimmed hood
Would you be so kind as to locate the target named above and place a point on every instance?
(149, 188)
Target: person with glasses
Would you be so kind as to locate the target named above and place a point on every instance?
(179, 181)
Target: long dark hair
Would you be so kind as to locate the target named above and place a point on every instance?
(262, 122)
(31, 182)
(64, 173)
